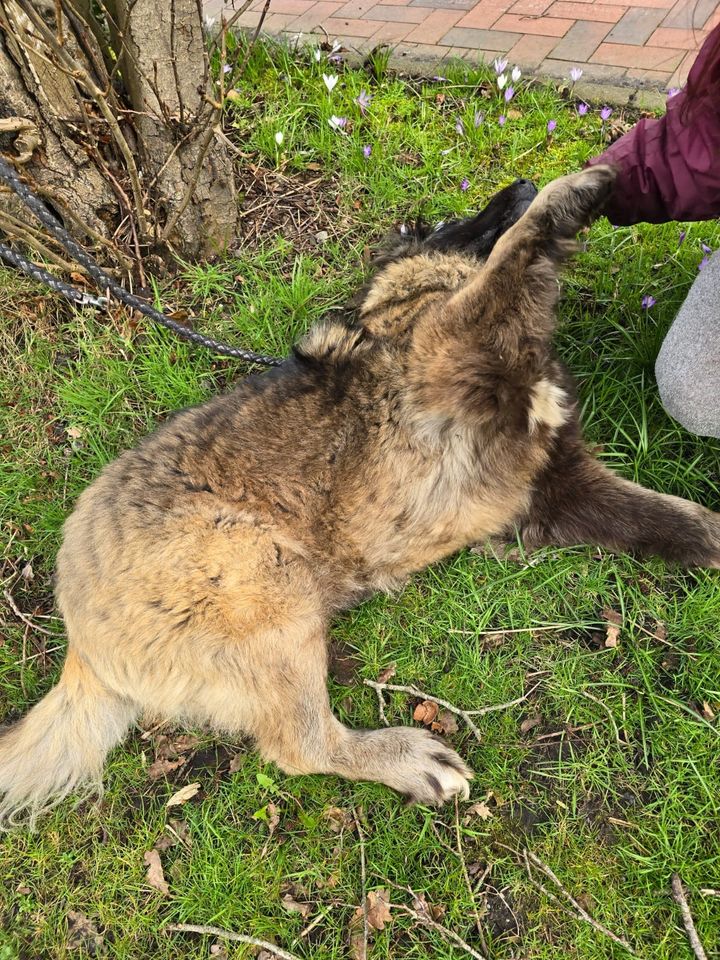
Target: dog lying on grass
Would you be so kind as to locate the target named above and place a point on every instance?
(198, 574)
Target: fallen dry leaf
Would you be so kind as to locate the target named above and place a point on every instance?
(707, 711)
(387, 674)
(445, 723)
(294, 906)
(155, 876)
(378, 911)
(83, 934)
(426, 712)
(170, 748)
(613, 622)
(356, 944)
(339, 819)
(530, 723)
(480, 809)
(183, 795)
(237, 761)
(161, 768)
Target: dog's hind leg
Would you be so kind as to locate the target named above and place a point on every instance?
(578, 500)
(293, 725)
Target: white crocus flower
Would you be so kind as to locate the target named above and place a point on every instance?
(279, 137)
(516, 74)
(501, 81)
(330, 81)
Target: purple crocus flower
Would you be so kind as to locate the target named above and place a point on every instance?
(479, 118)
(648, 301)
(363, 101)
(703, 263)
(439, 79)
(673, 92)
(605, 113)
(499, 65)
(501, 120)
(460, 128)
(367, 150)
(575, 74)
(681, 238)
(509, 94)
(582, 109)
(337, 123)
(551, 124)
(464, 184)
(705, 248)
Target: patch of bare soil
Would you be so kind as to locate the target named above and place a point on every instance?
(302, 207)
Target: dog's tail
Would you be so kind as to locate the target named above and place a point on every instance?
(60, 745)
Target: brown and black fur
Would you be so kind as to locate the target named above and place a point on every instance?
(199, 572)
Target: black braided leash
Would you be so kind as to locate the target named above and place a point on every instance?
(103, 280)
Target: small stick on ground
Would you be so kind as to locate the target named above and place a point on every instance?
(584, 915)
(681, 900)
(26, 620)
(465, 715)
(229, 935)
(466, 875)
(449, 935)
(363, 876)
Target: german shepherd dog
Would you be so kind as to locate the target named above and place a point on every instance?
(199, 573)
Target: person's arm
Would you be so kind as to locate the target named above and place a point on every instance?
(669, 169)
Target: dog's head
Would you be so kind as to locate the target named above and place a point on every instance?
(470, 236)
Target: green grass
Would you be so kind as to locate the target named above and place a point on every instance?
(626, 791)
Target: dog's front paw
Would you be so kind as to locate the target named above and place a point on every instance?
(432, 773)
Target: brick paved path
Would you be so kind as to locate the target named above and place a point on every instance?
(643, 42)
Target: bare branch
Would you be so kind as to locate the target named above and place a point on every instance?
(426, 920)
(582, 913)
(363, 879)
(229, 935)
(465, 715)
(26, 620)
(681, 900)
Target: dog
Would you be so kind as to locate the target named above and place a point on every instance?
(199, 572)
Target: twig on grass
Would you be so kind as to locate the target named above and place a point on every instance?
(26, 620)
(582, 913)
(426, 920)
(363, 877)
(466, 875)
(229, 935)
(681, 900)
(465, 715)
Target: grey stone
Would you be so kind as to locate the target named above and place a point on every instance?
(688, 365)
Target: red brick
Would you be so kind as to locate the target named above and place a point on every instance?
(680, 75)
(395, 3)
(495, 40)
(680, 39)
(483, 15)
(541, 26)
(581, 10)
(435, 26)
(315, 15)
(629, 55)
(390, 31)
(285, 6)
(530, 51)
(278, 21)
(355, 9)
(530, 8)
(397, 14)
(580, 41)
(351, 28)
(658, 4)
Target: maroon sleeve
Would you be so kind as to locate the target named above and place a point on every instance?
(669, 169)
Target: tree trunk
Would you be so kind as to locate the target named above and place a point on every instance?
(113, 119)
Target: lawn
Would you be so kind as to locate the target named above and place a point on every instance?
(607, 773)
